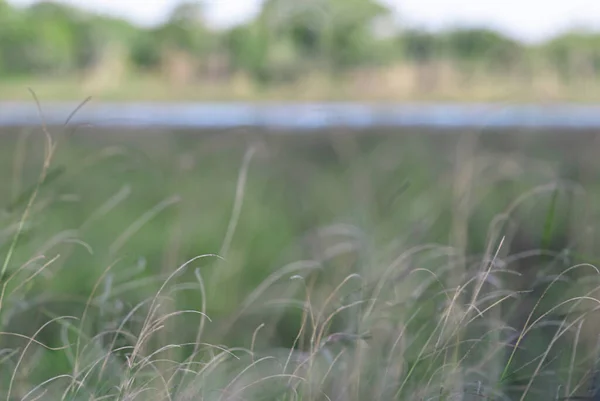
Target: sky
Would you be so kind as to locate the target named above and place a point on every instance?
(527, 20)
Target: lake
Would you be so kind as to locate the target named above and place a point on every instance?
(305, 116)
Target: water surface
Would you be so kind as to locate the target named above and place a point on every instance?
(305, 116)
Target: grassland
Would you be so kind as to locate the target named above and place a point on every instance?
(402, 83)
(339, 266)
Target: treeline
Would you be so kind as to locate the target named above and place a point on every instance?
(287, 40)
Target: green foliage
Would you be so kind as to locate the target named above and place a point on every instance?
(248, 47)
(145, 51)
(52, 38)
(286, 40)
(96, 34)
(482, 46)
(333, 33)
(419, 45)
(572, 51)
(184, 29)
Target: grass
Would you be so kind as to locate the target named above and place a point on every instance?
(399, 83)
(338, 266)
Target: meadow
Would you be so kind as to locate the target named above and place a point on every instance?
(401, 83)
(344, 265)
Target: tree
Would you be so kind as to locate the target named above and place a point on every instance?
(145, 52)
(473, 47)
(419, 46)
(333, 35)
(37, 40)
(52, 38)
(574, 54)
(12, 52)
(351, 37)
(248, 49)
(185, 29)
(95, 35)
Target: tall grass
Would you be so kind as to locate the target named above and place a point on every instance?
(339, 266)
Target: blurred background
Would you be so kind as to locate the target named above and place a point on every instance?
(311, 50)
(424, 260)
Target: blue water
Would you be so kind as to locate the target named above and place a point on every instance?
(308, 116)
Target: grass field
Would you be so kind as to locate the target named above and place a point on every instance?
(403, 83)
(339, 266)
